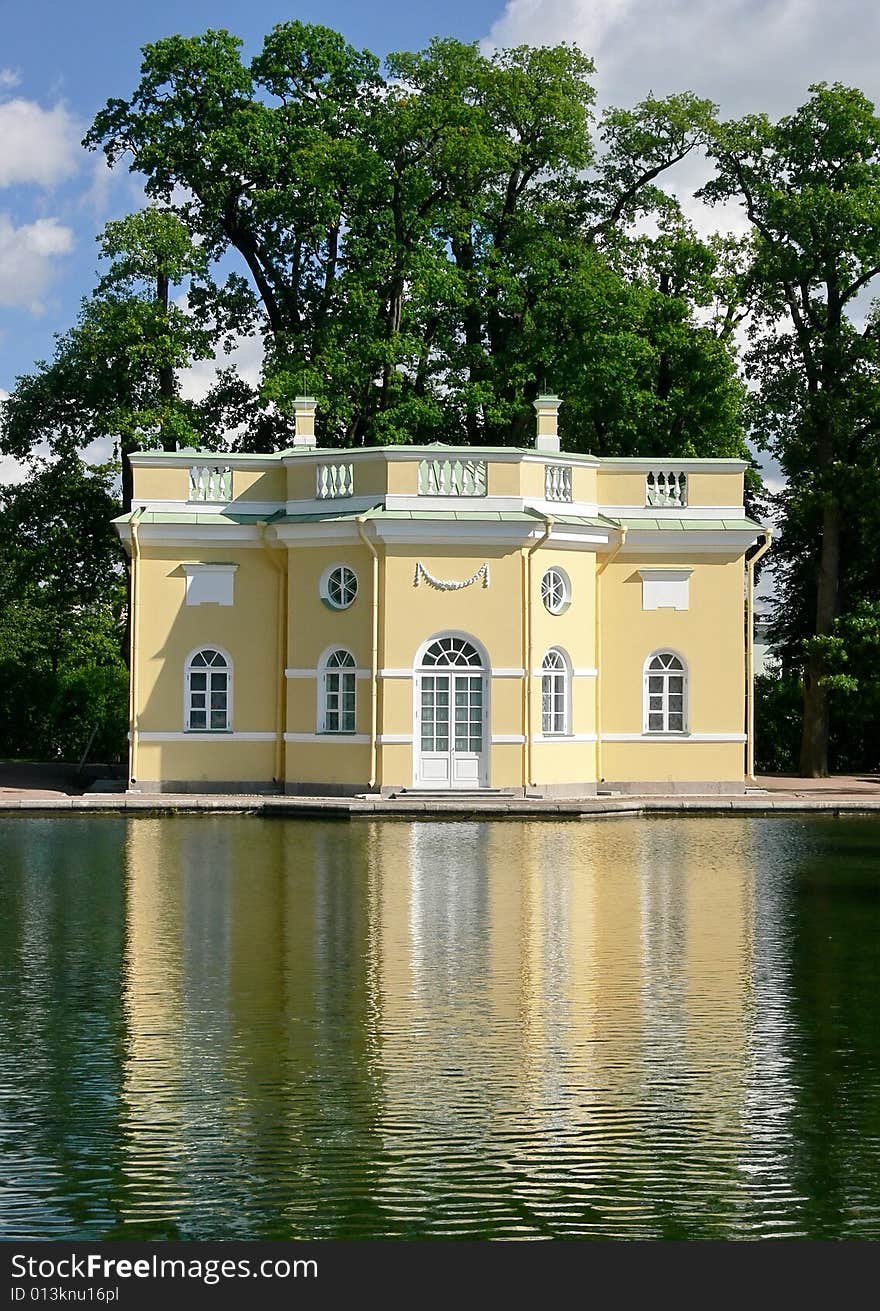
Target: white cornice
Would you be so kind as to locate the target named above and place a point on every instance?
(331, 504)
(589, 509)
(689, 541)
(673, 738)
(330, 739)
(469, 504)
(219, 736)
(662, 464)
(333, 533)
(193, 459)
(554, 739)
(460, 531)
(673, 511)
(313, 673)
(182, 534)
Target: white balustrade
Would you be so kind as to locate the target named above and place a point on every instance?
(334, 480)
(452, 478)
(666, 487)
(557, 482)
(210, 482)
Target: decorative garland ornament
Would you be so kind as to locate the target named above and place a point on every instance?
(450, 584)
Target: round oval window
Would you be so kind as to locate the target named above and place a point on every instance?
(341, 587)
(555, 591)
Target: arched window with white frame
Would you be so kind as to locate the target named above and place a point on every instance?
(208, 691)
(555, 693)
(665, 693)
(339, 693)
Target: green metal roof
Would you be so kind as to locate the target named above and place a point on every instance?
(378, 512)
(690, 525)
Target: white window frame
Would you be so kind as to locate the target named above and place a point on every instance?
(565, 602)
(664, 694)
(324, 586)
(328, 671)
(558, 673)
(187, 691)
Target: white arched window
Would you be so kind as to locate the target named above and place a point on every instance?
(665, 693)
(339, 693)
(555, 693)
(208, 691)
(453, 651)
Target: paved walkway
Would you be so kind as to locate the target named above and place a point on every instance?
(772, 794)
(839, 785)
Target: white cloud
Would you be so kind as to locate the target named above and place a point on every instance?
(39, 145)
(247, 357)
(9, 77)
(27, 259)
(746, 55)
(112, 192)
(11, 471)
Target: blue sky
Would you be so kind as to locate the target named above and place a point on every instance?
(60, 60)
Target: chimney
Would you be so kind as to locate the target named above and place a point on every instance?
(304, 412)
(547, 436)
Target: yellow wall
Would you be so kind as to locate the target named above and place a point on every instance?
(624, 487)
(258, 485)
(584, 484)
(313, 625)
(169, 630)
(715, 489)
(370, 477)
(423, 611)
(220, 761)
(621, 488)
(709, 637)
(161, 484)
(512, 478)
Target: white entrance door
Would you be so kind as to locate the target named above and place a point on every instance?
(451, 714)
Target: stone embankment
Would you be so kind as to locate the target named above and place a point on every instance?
(771, 795)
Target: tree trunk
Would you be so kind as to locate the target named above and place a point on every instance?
(166, 372)
(814, 742)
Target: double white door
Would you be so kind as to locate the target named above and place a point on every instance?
(451, 731)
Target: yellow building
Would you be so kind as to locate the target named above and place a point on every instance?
(436, 617)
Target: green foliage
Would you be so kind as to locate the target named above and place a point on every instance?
(810, 184)
(434, 241)
(115, 373)
(62, 599)
(778, 704)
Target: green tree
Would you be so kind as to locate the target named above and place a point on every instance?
(62, 603)
(428, 242)
(115, 374)
(810, 186)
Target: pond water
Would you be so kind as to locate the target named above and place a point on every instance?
(231, 1027)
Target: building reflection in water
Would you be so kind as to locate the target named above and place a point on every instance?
(455, 1028)
(572, 1006)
